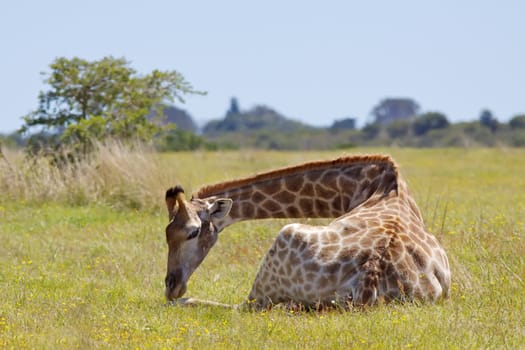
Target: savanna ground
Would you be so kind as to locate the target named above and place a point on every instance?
(83, 256)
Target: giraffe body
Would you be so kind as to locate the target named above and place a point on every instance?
(378, 252)
(376, 248)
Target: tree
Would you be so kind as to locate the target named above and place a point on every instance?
(234, 107)
(173, 115)
(180, 140)
(488, 120)
(517, 122)
(391, 109)
(371, 130)
(96, 100)
(346, 123)
(428, 121)
(398, 129)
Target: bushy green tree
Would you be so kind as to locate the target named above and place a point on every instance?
(398, 128)
(391, 109)
(371, 130)
(428, 121)
(488, 120)
(181, 140)
(96, 100)
(234, 107)
(517, 122)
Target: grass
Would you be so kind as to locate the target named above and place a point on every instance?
(87, 272)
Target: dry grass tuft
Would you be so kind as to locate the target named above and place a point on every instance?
(115, 174)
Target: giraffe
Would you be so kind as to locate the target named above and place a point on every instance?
(375, 250)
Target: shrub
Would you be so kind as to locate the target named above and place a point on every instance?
(429, 121)
(518, 122)
(398, 128)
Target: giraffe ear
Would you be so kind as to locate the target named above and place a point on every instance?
(220, 208)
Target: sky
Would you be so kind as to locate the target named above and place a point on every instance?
(313, 61)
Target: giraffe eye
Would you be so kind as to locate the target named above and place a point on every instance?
(194, 233)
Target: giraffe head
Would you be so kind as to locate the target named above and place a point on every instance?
(190, 234)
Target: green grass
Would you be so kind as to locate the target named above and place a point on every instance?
(91, 275)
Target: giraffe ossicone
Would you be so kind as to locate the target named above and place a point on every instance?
(376, 249)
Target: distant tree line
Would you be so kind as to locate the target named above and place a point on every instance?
(90, 101)
(395, 121)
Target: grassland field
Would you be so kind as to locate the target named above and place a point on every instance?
(83, 257)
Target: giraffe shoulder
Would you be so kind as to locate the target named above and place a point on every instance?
(288, 231)
(298, 235)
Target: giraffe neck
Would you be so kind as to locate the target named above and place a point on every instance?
(326, 189)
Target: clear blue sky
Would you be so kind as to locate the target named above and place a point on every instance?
(314, 61)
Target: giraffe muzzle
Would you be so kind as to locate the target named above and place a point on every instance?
(175, 286)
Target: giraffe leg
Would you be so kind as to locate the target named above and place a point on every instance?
(257, 299)
(366, 287)
(265, 290)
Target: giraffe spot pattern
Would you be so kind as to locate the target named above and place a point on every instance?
(377, 250)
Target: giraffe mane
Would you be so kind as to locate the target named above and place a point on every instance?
(215, 189)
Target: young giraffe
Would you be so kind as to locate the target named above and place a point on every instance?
(375, 250)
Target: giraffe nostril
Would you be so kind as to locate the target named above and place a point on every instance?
(170, 281)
